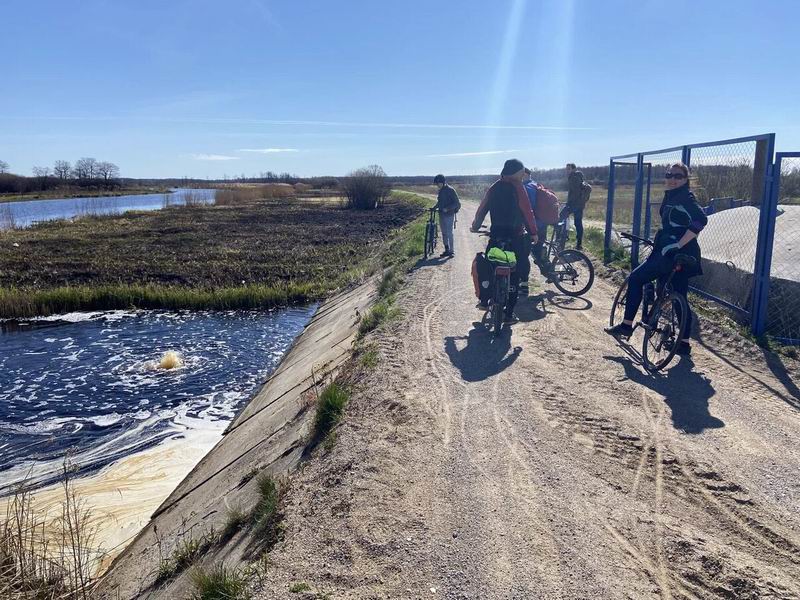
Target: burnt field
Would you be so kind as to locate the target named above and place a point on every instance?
(271, 251)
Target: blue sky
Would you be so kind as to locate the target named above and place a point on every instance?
(203, 88)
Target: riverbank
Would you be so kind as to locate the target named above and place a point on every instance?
(255, 254)
(62, 193)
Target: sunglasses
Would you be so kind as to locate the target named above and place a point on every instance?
(674, 176)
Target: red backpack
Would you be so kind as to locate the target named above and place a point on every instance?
(547, 208)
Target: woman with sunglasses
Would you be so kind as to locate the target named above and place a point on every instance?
(682, 220)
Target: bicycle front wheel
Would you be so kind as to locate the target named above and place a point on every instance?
(618, 306)
(573, 272)
(664, 331)
(428, 249)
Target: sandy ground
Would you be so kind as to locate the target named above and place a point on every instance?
(546, 463)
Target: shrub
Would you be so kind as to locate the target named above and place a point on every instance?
(329, 410)
(221, 583)
(366, 188)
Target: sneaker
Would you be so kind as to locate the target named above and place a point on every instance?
(684, 349)
(445, 254)
(510, 320)
(482, 306)
(579, 247)
(619, 330)
(523, 288)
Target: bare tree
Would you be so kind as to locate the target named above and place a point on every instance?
(85, 168)
(61, 169)
(3, 166)
(42, 173)
(107, 170)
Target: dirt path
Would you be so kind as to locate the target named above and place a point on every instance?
(546, 464)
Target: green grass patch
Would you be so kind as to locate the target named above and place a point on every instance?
(330, 407)
(266, 515)
(220, 583)
(368, 357)
(381, 312)
(235, 520)
(593, 240)
(184, 555)
(302, 586)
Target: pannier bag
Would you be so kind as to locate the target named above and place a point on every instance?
(506, 257)
(482, 271)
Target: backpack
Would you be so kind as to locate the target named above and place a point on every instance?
(482, 273)
(586, 191)
(547, 208)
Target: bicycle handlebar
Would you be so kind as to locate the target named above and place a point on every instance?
(636, 238)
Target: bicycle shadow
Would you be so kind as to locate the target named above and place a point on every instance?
(484, 354)
(686, 391)
(534, 306)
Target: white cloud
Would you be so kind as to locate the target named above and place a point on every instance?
(268, 150)
(213, 157)
(485, 153)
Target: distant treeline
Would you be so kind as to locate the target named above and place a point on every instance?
(87, 173)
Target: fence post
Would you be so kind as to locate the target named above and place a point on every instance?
(647, 210)
(770, 179)
(637, 209)
(609, 213)
(686, 155)
(766, 240)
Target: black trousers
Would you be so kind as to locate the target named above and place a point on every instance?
(656, 267)
(577, 214)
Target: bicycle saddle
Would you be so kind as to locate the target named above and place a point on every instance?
(685, 260)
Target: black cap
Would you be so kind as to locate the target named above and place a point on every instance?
(511, 166)
(439, 178)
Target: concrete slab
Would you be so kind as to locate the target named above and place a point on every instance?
(269, 434)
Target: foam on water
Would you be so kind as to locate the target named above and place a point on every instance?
(94, 385)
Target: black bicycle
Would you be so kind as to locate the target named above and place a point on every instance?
(571, 271)
(664, 312)
(431, 233)
(501, 286)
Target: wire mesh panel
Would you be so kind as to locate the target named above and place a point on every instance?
(655, 165)
(783, 308)
(728, 181)
(624, 184)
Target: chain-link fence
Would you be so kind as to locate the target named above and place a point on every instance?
(783, 304)
(730, 180)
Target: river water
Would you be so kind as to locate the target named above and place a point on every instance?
(89, 384)
(25, 213)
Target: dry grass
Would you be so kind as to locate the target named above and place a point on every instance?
(46, 558)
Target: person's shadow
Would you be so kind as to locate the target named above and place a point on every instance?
(483, 355)
(685, 391)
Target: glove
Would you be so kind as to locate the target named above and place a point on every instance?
(670, 250)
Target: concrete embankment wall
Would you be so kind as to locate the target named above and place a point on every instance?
(269, 434)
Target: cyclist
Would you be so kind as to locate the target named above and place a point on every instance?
(575, 202)
(448, 204)
(537, 249)
(507, 204)
(682, 220)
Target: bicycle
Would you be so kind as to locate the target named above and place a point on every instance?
(501, 285)
(571, 271)
(431, 230)
(664, 312)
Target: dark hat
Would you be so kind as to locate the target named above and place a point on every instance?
(439, 178)
(511, 166)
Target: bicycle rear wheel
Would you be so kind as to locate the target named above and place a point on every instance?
(664, 331)
(428, 247)
(618, 306)
(573, 272)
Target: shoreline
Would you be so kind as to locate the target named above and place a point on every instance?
(85, 194)
(122, 496)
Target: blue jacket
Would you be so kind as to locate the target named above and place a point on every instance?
(530, 189)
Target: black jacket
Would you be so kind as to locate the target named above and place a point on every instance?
(447, 200)
(680, 213)
(575, 189)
